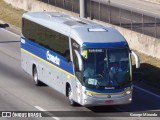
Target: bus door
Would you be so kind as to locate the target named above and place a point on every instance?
(77, 84)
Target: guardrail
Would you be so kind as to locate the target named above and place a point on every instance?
(139, 21)
(71, 5)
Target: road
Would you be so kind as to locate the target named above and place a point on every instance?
(18, 92)
(140, 5)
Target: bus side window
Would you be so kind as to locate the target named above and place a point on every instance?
(66, 54)
(46, 37)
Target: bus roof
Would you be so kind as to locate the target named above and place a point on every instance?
(80, 29)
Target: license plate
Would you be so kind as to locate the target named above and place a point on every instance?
(109, 101)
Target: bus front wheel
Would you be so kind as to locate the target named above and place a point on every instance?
(70, 94)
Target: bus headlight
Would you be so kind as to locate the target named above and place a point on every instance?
(88, 94)
(130, 99)
(128, 92)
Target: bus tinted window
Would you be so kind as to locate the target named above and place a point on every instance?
(46, 37)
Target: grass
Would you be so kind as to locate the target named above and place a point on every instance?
(9, 14)
(150, 66)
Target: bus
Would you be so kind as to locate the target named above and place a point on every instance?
(89, 63)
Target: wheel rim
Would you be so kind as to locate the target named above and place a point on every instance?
(70, 96)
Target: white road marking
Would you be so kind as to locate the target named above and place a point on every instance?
(10, 32)
(151, 93)
(41, 109)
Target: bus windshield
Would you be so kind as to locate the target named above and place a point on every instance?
(106, 68)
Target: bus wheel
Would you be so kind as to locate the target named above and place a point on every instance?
(35, 77)
(70, 94)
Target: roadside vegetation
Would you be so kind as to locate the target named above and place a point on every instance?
(10, 14)
(150, 66)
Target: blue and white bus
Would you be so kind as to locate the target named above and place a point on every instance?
(87, 62)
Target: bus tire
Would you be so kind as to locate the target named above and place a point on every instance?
(35, 77)
(70, 93)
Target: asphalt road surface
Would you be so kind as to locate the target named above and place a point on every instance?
(18, 92)
(141, 5)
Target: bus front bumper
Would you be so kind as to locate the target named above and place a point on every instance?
(107, 100)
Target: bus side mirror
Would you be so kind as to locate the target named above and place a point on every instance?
(80, 63)
(137, 60)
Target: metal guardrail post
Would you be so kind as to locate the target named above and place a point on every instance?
(142, 23)
(90, 9)
(109, 2)
(131, 21)
(64, 4)
(120, 12)
(72, 6)
(99, 11)
(155, 27)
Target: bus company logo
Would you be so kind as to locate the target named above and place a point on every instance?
(52, 58)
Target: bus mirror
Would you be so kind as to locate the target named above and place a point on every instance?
(137, 60)
(80, 63)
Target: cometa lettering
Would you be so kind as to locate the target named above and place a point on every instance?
(52, 58)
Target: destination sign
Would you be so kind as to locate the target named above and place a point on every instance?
(95, 50)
